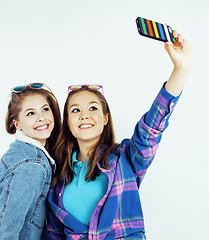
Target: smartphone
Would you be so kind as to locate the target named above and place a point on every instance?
(154, 30)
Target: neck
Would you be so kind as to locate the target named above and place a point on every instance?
(85, 150)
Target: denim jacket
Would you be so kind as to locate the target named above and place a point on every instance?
(25, 176)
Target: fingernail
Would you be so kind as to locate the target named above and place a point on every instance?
(181, 45)
(169, 43)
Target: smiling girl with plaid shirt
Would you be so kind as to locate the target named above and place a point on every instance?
(94, 192)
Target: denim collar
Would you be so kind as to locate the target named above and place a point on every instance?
(20, 135)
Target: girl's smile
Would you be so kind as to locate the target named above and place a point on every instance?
(85, 126)
(42, 127)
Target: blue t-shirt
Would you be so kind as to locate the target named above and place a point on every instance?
(80, 197)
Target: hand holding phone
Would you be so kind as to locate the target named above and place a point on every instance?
(154, 30)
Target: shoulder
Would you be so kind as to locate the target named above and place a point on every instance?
(114, 156)
(121, 147)
(23, 153)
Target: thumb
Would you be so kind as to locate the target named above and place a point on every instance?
(169, 47)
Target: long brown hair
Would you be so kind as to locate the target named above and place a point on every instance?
(67, 144)
(15, 106)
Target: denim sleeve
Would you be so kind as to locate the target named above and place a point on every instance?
(148, 132)
(20, 189)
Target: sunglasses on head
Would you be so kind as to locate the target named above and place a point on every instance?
(93, 87)
(19, 89)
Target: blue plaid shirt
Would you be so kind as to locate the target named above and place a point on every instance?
(118, 215)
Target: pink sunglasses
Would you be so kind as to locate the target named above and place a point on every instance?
(93, 87)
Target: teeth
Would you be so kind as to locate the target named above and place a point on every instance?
(42, 127)
(85, 126)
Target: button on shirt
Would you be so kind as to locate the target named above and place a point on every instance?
(80, 197)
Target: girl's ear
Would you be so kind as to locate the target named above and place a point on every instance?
(106, 119)
(16, 124)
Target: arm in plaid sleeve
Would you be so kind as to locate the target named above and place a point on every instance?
(55, 228)
(148, 132)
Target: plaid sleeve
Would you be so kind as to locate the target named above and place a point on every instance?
(160, 111)
(148, 132)
(55, 227)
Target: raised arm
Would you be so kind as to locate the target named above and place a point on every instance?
(148, 131)
(181, 55)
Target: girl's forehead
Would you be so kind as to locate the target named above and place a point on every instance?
(83, 97)
(34, 100)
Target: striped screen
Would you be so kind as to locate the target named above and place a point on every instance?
(155, 30)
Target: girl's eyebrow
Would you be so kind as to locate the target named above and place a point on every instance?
(94, 102)
(77, 104)
(29, 109)
(74, 105)
(45, 105)
(32, 109)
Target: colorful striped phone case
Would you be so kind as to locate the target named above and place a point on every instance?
(154, 30)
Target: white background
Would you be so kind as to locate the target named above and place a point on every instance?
(67, 42)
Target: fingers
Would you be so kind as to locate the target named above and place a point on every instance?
(170, 47)
(179, 39)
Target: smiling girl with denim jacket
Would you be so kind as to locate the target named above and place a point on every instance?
(26, 168)
(94, 194)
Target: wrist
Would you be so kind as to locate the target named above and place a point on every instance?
(182, 69)
(177, 80)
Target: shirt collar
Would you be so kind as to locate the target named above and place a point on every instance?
(74, 160)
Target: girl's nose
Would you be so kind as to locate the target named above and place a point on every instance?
(40, 117)
(84, 116)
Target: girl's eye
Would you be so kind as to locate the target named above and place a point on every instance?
(93, 108)
(75, 110)
(46, 109)
(30, 113)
